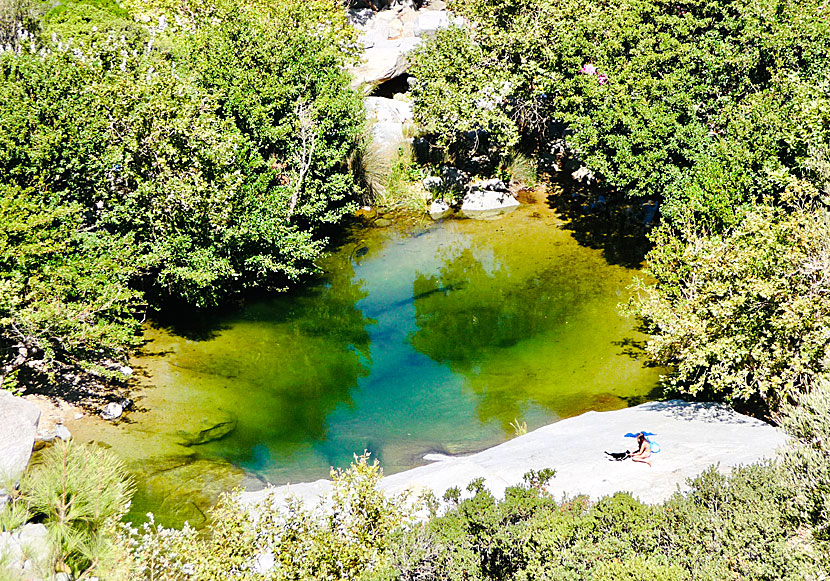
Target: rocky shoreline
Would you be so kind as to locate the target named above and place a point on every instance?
(692, 436)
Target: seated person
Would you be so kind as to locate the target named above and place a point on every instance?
(644, 450)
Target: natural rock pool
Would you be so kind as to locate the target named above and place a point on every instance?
(418, 338)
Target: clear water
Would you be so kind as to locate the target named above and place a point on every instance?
(433, 337)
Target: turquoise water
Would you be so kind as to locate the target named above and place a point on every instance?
(417, 338)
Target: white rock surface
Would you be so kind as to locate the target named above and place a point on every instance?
(63, 433)
(431, 21)
(112, 411)
(18, 428)
(388, 35)
(384, 60)
(439, 209)
(487, 204)
(387, 118)
(692, 437)
(25, 552)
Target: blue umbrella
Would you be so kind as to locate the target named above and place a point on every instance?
(655, 447)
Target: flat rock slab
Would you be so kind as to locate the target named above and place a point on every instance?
(18, 428)
(692, 437)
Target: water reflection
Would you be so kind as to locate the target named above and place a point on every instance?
(417, 340)
(522, 335)
(286, 364)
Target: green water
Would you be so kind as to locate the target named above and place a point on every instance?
(432, 337)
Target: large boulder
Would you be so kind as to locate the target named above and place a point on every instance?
(488, 200)
(384, 59)
(387, 118)
(429, 22)
(18, 429)
(439, 209)
(209, 430)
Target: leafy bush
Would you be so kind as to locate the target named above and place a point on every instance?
(648, 90)
(182, 160)
(737, 527)
(742, 315)
(807, 460)
(347, 536)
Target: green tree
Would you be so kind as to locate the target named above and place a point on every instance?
(742, 315)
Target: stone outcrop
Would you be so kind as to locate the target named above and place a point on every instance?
(18, 428)
(388, 35)
(387, 118)
(488, 200)
(692, 437)
(211, 430)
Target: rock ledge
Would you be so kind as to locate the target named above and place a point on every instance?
(692, 437)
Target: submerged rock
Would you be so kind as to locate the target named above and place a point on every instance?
(212, 430)
(184, 488)
(18, 428)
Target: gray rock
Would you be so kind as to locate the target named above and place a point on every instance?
(18, 428)
(439, 209)
(25, 552)
(112, 411)
(431, 21)
(387, 118)
(125, 370)
(433, 183)
(453, 178)
(212, 430)
(584, 175)
(494, 185)
(384, 60)
(487, 204)
(63, 433)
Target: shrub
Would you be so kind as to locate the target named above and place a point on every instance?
(742, 315)
(170, 163)
(80, 493)
(807, 459)
(348, 536)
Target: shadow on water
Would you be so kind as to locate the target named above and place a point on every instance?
(534, 331)
(610, 222)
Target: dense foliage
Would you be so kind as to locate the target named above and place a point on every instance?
(163, 155)
(720, 110)
(744, 314)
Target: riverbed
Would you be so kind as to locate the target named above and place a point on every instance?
(418, 337)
